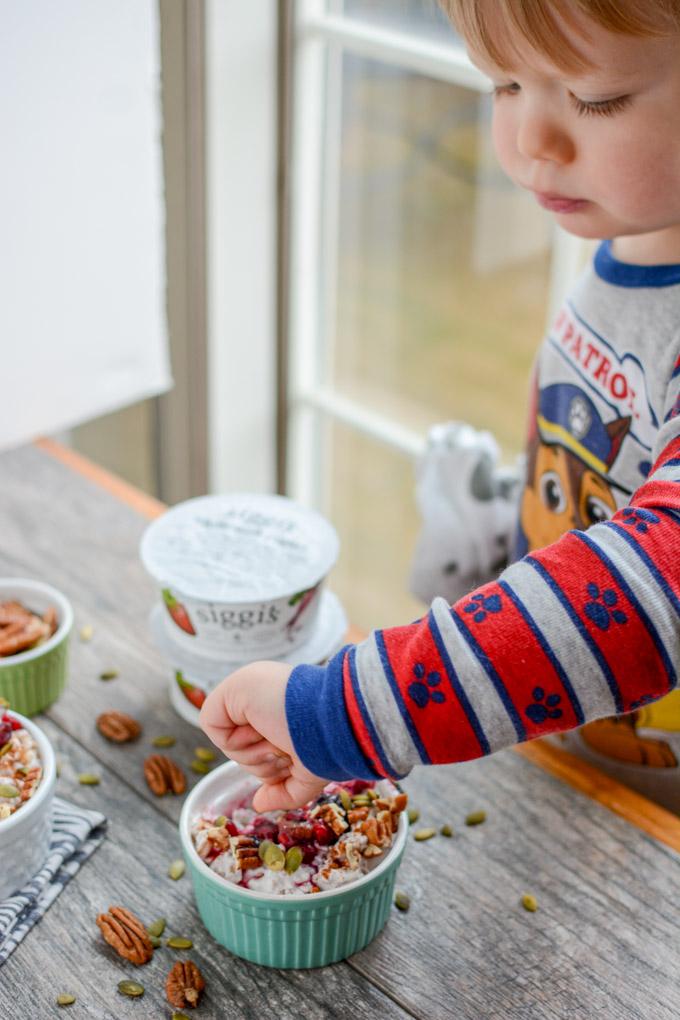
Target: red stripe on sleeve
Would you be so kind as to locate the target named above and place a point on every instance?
(357, 722)
(428, 697)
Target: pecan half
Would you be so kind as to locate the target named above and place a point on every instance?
(245, 850)
(118, 727)
(163, 775)
(126, 934)
(184, 985)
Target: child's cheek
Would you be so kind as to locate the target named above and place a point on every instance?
(504, 135)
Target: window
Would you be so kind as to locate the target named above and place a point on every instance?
(420, 278)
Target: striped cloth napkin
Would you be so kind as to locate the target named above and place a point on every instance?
(76, 834)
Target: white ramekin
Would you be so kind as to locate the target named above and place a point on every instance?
(25, 836)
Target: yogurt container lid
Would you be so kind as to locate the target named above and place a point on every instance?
(326, 638)
(239, 548)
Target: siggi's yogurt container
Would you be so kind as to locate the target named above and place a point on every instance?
(240, 575)
(192, 677)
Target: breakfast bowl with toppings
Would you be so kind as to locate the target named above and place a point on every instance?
(27, 779)
(35, 623)
(301, 888)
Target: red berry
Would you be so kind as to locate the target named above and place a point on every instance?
(5, 732)
(231, 829)
(323, 834)
(264, 828)
(309, 852)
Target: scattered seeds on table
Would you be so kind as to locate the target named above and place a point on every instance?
(131, 988)
(413, 815)
(57, 766)
(88, 779)
(476, 818)
(155, 941)
(401, 901)
(204, 754)
(201, 767)
(165, 740)
(4, 703)
(176, 869)
(157, 927)
(529, 903)
(65, 999)
(446, 830)
(86, 632)
(179, 1016)
(109, 674)
(422, 834)
(177, 942)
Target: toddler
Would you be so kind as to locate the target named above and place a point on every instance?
(585, 625)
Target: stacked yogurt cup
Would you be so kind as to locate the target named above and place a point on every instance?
(241, 577)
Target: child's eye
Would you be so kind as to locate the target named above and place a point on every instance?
(600, 107)
(509, 89)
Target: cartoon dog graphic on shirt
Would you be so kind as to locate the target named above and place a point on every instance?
(569, 457)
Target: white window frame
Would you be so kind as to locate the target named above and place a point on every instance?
(241, 168)
(314, 233)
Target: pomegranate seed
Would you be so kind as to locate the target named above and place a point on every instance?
(263, 828)
(5, 732)
(323, 834)
(231, 829)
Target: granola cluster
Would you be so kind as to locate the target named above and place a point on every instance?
(20, 766)
(329, 842)
(20, 629)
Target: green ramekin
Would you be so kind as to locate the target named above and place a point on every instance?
(309, 930)
(32, 680)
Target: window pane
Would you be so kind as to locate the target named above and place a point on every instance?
(442, 265)
(424, 18)
(371, 503)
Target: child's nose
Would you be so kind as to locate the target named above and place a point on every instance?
(542, 137)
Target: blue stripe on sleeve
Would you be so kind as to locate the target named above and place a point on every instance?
(408, 721)
(578, 624)
(368, 722)
(549, 653)
(458, 689)
(319, 725)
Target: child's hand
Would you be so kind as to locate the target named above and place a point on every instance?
(245, 716)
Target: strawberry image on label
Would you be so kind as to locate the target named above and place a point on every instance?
(177, 612)
(193, 694)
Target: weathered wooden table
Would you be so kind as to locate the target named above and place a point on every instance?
(604, 943)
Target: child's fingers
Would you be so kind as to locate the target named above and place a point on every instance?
(259, 753)
(270, 771)
(286, 793)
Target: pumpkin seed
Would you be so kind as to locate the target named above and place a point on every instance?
(179, 1016)
(86, 632)
(401, 901)
(274, 858)
(8, 791)
(220, 821)
(65, 999)
(262, 848)
(176, 869)
(131, 988)
(163, 741)
(201, 767)
(476, 818)
(422, 834)
(177, 942)
(157, 927)
(4, 703)
(109, 674)
(413, 815)
(345, 800)
(372, 794)
(529, 902)
(204, 754)
(446, 830)
(293, 859)
(88, 779)
(5, 748)
(155, 941)
(361, 800)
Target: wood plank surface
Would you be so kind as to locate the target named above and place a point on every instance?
(603, 943)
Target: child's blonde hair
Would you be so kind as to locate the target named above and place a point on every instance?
(485, 23)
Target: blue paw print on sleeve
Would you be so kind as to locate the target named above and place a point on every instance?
(639, 519)
(543, 708)
(482, 605)
(601, 607)
(421, 690)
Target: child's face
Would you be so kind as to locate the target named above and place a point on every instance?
(600, 148)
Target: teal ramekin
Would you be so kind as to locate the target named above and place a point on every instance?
(32, 680)
(301, 931)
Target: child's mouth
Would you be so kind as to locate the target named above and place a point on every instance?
(559, 203)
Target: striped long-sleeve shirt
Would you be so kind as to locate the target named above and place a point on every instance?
(586, 623)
